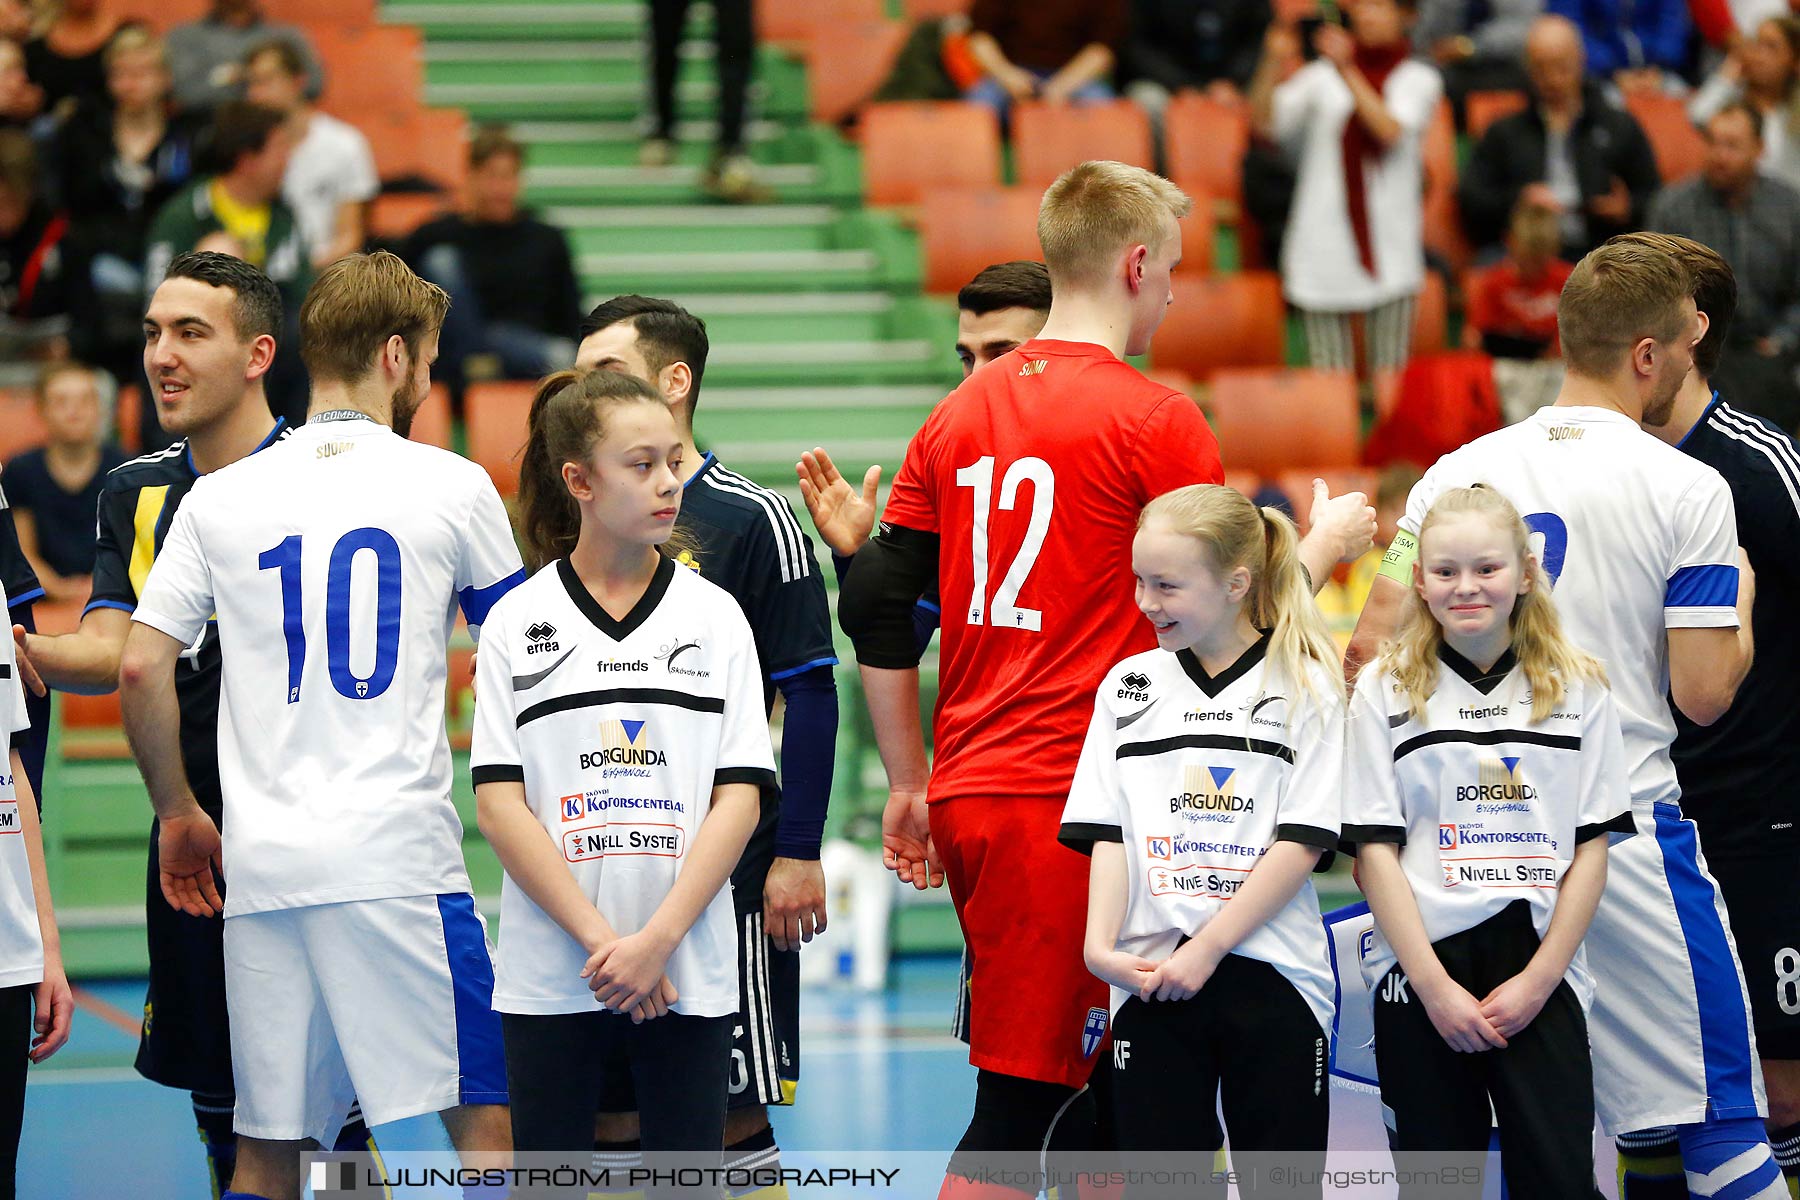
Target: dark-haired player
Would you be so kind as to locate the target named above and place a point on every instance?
(209, 340)
(750, 544)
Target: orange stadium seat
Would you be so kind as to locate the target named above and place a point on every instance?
(89, 712)
(1246, 482)
(128, 416)
(1223, 321)
(916, 147)
(964, 231)
(162, 15)
(21, 428)
(1271, 421)
(919, 10)
(846, 62)
(1481, 109)
(1048, 139)
(345, 14)
(495, 422)
(1680, 149)
(1296, 485)
(784, 22)
(1431, 315)
(1205, 141)
(380, 69)
(419, 144)
(431, 424)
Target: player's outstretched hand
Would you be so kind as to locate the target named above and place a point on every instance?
(28, 673)
(1516, 1003)
(1347, 520)
(843, 517)
(188, 853)
(1183, 973)
(1458, 1018)
(55, 1011)
(1122, 970)
(906, 847)
(625, 973)
(794, 901)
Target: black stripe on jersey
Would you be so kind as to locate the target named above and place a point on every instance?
(496, 774)
(5, 670)
(1361, 835)
(1308, 835)
(1396, 720)
(1485, 737)
(1080, 836)
(1619, 824)
(595, 699)
(1206, 741)
(762, 777)
(1132, 719)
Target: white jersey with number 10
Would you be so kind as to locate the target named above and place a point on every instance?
(336, 561)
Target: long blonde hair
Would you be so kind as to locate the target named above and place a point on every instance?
(1551, 661)
(1235, 533)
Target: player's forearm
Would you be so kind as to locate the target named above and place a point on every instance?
(152, 718)
(718, 845)
(893, 700)
(808, 754)
(32, 829)
(1577, 896)
(1277, 877)
(532, 861)
(1108, 891)
(85, 662)
(1396, 911)
(1319, 555)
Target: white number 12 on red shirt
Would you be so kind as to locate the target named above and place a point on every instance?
(979, 475)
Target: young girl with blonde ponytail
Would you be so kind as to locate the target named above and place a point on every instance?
(620, 745)
(1485, 769)
(1210, 775)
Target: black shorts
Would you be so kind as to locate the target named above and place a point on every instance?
(765, 1034)
(1762, 897)
(185, 1041)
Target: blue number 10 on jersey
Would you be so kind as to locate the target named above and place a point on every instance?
(285, 557)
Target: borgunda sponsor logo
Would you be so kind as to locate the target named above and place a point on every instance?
(1210, 795)
(1498, 781)
(625, 749)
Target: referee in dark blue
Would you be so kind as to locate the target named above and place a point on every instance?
(1737, 775)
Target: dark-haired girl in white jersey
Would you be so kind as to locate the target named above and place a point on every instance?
(1485, 771)
(1207, 792)
(619, 747)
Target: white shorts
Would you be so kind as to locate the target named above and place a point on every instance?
(1670, 1024)
(384, 1001)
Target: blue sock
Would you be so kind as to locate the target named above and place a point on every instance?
(1730, 1160)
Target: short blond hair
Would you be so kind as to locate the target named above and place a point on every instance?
(356, 305)
(131, 38)
(1619, 294)
(1096, 210)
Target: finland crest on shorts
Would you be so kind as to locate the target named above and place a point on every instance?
(1092, 1030)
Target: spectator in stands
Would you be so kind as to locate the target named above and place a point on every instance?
(54, 491)
(1641, 45)
(34, 293)
(1764, 72)
(119, 163)
(511, 281)
(238, 210)
(20, 99)
(1354, 119)
(1057, 51)
(1479, 45)
(1569, 151)
(1208, 46)
(1753, 221)
(206, 56)
(1512, 304)
(331, 174)
(730, 175)
(66, 57)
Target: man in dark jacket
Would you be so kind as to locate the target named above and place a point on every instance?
(1571, 152)
(1210, 46)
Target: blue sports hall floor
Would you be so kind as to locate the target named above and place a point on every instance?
(879, 1072)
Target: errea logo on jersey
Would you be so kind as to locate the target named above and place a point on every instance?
(542, 637)
(1136, 686)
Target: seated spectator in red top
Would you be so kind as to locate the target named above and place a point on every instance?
(54, 491)
(1058, 51)
(34, 297)
(1512, 305)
